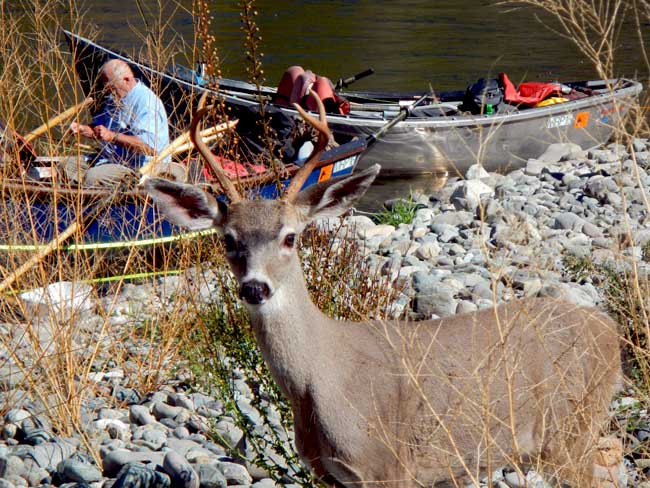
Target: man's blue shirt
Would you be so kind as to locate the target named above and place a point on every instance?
(139, 113)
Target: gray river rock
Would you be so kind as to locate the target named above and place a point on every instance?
(484, 239)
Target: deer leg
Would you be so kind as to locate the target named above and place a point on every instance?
(343, 474)
(569, 457)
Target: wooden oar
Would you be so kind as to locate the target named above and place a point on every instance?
(181, 142)
(54, 121)
(188, 146)
(88, 218)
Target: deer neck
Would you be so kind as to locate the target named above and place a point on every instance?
(292, 334)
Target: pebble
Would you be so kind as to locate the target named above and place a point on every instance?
(180, 471)
(73, 470)
(564, 202)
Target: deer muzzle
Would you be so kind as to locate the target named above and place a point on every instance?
(254, 292)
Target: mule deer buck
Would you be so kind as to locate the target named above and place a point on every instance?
(407, 403)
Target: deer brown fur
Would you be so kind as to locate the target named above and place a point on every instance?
(411, 403)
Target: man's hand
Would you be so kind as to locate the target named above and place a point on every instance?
(104, 134)
(84, 130)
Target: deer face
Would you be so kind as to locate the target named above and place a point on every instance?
(259, 236)
(260, 239)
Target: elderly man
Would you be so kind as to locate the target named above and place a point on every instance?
(131, 129)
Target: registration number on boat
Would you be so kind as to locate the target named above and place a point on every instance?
(559, 121)
(344, 164)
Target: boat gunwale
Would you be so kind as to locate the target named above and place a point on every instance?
(350, 149)
(367, 125)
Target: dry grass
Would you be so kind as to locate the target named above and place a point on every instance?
(58, 350)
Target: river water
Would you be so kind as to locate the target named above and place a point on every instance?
(411, 44)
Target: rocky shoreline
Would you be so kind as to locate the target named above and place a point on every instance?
(485, 238)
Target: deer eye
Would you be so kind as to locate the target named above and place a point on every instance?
(289, 240)
(229, 243)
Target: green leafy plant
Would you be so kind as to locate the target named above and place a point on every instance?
(402, 211)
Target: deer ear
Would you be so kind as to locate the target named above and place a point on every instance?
(186, 205)
(333, 197)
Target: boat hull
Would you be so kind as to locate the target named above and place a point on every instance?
(39, 212)
(497, 142)
(420, 144)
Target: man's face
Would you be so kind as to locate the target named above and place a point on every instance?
(117, 85)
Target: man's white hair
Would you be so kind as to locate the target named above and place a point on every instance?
(115, 68)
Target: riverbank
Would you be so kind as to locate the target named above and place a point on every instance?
(538, 231)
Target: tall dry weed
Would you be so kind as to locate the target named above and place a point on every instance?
(54, 349)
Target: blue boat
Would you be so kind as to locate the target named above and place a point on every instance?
(41, 210)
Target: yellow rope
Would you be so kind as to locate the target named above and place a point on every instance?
(110, 245)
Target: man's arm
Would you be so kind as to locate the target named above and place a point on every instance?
(131, 142)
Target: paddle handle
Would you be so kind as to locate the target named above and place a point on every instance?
(404, 113)
(54, 121)
(345, 82)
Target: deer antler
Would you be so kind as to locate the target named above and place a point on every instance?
(324, 136)
(195, 135)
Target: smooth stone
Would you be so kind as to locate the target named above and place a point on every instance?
(135, 475)
(180, 471)
(171, 424)
(49, 454)
(9, 431)
(591, 230)
(128, 396)
(465, 306)
(534, 167)
(468, 194)
(558, 151)
(476, 172)
(11, 465)
(34, 474)
(235, 474)
(118, 430)
(162, 410)
(16, 481)
(196, 454)
(264, 483)
(154, 439)
(439, 302)
(359, 223)
(17, 416)
(182, 446)
(211, 476)
(78, 471)
(141, 415)
(567, 220)
(458, 218)
(427, 251)
(181, 432)
(379, 230)
(63, 298)
(251, 415)
(115, 460)
(229, 431)
(112, 414)
(197, 424)
(35, 436)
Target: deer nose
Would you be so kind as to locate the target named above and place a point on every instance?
(254, 292)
